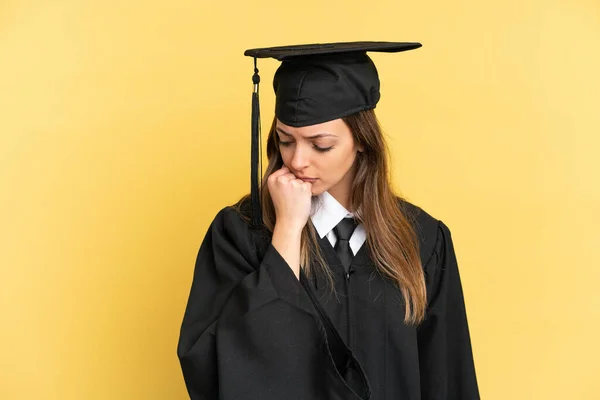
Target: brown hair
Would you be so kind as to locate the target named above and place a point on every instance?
(391, 237)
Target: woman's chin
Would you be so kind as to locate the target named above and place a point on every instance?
(317, 190)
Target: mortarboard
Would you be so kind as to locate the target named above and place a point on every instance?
(315, 83)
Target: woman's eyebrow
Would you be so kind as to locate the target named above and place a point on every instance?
(308, 137)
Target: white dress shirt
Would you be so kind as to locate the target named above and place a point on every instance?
(327, 213)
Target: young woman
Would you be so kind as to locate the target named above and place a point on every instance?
(339, 289)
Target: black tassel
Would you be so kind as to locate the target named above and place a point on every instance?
(255, 156)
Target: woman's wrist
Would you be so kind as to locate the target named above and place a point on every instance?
(286, 240)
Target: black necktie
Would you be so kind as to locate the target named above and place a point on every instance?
(343, 232)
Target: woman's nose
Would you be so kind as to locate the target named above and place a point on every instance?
(300, 158)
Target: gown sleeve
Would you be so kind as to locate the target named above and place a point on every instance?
(249, 330)
(446, 362)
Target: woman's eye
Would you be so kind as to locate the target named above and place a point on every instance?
(317, 148)
(323, 149)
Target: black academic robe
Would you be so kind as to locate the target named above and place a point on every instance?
(251, 330)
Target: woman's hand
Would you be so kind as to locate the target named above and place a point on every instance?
(291, 199)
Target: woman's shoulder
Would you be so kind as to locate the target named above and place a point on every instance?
(238, 213)
(427, 227)
(238, 216)
(243, 210)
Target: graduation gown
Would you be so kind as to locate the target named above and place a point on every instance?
(251, 330)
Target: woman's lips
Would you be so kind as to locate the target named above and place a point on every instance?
(311, 180)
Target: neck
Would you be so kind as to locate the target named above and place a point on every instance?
(342, 197)
(342, 191)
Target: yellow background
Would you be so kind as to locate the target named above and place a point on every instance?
(124, 128)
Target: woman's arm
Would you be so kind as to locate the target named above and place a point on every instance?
(249, 330)
(447, 368)
(287, 243)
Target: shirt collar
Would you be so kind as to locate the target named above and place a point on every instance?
(327, 213)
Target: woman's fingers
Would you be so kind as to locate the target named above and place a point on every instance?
(280, 171)
(283, 174)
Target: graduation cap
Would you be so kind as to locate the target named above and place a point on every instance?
(315, 83)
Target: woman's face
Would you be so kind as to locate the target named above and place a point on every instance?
(322, 154)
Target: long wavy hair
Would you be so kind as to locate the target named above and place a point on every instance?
(391, 237)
